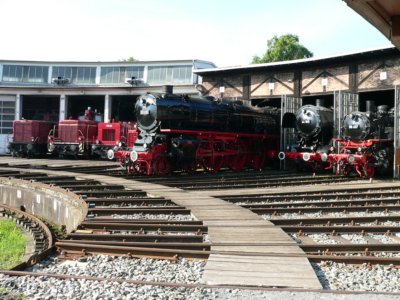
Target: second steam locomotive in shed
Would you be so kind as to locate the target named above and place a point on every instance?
(185, 133)
(313, 125)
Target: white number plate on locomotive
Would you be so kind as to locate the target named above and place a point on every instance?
(144, 111)
(306, 121)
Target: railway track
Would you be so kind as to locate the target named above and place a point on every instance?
(349, 226)
(352, 226)
(127, 222)
(42, 236)
(203, 181)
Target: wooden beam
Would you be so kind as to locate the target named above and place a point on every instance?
(395, 27)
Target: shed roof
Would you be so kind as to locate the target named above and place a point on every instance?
(306, 62)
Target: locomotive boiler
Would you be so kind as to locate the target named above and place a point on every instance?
(313, 125)
(366, 143)
(184, 133)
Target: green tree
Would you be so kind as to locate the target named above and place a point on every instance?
(129, 59)
(284, 47)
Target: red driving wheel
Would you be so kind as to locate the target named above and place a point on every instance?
(161, 166)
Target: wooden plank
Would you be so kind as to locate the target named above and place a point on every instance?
(242, 223)
(247, 278)
(258, 249)
(270, 259)
(261, 271)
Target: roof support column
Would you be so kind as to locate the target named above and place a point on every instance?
(63, 107)
(297, 86)
(107, 108)
(246, 87)
(353, 78)
(18, 107)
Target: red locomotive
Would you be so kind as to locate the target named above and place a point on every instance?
(29, 137)
(73, 137)
(185, 133)
(112, 135)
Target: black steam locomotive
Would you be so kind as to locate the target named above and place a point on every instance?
(182, 132)
(376, 123)
(366, 145)
(313, 125)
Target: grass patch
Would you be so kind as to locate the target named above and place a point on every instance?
(7, 295)
(12, 244)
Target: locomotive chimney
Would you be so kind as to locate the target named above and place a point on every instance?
(320, 102)
(168, 89)
(370, 106)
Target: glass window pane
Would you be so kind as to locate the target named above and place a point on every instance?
(110, 75)
(36, 74)
(134, 72)
(65, 72)
(12, 73)
(8, 110)
(10, 104)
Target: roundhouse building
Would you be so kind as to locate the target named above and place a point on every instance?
(42, 90)
(344, 82)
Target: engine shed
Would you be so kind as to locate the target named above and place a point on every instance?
(344, 82)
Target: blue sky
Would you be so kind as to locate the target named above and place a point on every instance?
(225, 32)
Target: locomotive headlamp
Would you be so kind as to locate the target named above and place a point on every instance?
(51, 147)
(110, 154)
(281, 155)
(324, 157)
(306, 156)
(359, 149)
(134, 156)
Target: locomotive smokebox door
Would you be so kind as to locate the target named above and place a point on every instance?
(146, 112)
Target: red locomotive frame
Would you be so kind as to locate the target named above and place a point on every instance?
(356, 156)
(215, 150)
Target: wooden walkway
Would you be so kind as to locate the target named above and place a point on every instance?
(246, 250)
